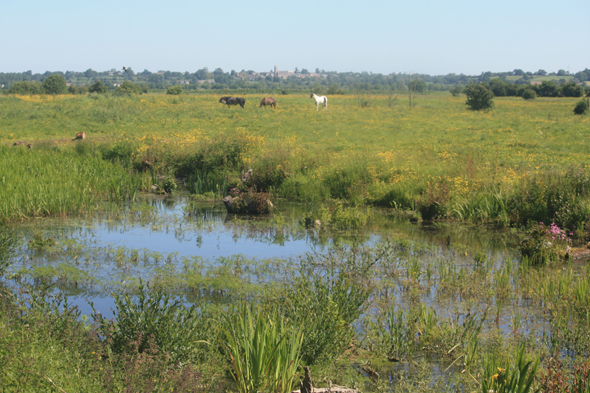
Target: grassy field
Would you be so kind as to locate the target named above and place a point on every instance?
(522, 161)
(506, 165)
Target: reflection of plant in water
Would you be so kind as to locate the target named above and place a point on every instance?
(337, 216)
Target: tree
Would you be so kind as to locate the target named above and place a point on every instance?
(90, 73)
(478, 97)
(572, 90)
(98, 87)
(561, 73)
(55, 84)
(548, 89)
(518, 72)
(542, 72)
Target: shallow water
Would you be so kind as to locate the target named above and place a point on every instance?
(89, 258)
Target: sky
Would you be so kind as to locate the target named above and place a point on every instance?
(412, 36)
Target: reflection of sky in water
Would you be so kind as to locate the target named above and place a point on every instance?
(208, 232)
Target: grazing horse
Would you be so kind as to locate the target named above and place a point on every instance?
(268, 101)
(233, 101)
(320, 100)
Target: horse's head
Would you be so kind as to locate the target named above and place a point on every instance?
(311, 95)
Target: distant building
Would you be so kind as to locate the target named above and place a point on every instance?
(184, 82)
(206, 80)
(536, 82)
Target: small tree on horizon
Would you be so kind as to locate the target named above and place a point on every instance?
(478, 97)
(55, 84)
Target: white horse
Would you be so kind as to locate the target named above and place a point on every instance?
(320, 100)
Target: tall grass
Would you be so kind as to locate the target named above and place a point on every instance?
(46, 182)
(264, 351)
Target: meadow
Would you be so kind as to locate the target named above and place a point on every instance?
(394, 315)
(521, 161)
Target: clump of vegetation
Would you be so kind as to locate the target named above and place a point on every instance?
(249, 202)
(529, 94)
(26, 87)
(98, 87)
(338, 216)
(582, 107)
(456, 90)
(545, 244)
(55, 84)
(174, 90)
(264, 351)
(154, 320)
(479, 97)
(130, 88)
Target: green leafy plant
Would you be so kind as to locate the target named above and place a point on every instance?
(512, 378)
(478, 97)
(529, 94)
(326, 304)
(545, 244)
(264, 351)
(174, 90)
(582, 107)
(153, 314)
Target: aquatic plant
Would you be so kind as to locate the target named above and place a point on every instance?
(545, 244)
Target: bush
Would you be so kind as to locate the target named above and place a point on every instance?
(581, 107)
(456, 91)
(55, 84)
(26, 87)
(174, 90)
(128, 87)
(327, 305)
(478, 97)
(98, 87)
(153, 319)
(529, 94)
(544, 244)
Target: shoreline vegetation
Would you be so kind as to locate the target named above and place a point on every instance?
(396, 316)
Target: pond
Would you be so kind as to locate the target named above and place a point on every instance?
(87, 258)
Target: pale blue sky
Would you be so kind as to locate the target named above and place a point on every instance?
(433, 37)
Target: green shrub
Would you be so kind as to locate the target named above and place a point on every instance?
(544, 244)
(456, 90)
(174, 90)
(326, 304)
(478, 97)
(98, 87)
(581, 107)
(529, 94)
(153, 318)
(129, 88)
(55, 84)
(25, 87)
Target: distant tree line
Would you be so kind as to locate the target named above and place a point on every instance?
(512, 83)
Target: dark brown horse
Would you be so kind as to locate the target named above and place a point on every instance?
(268, 101)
